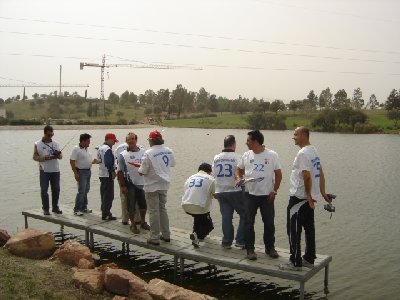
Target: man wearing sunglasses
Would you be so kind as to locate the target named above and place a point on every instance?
(47, 153)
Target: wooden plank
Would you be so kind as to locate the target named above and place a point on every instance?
(210, 250)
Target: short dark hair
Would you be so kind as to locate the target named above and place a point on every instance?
(305, 131)
(157, 141)
(229, 141)
(256, 135)
(205, 167)
(48, 128)
(84, 137)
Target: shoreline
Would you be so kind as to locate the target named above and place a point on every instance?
(75, 127)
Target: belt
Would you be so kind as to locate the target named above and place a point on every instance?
(83, 169)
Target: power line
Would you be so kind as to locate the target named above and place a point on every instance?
(205, 35)
(199, 47)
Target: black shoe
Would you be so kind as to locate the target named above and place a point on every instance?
(109, 218)
(87, 211)
(272, 252)
(153, 242)
(124, 223)
(164, 239)
(46, 212)
(57, 211)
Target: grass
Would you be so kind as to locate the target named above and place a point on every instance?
(22, 278)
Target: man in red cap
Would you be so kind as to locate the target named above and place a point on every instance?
(155, 168)
(107, 175)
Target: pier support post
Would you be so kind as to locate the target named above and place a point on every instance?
(87, 238)
(302, 290)
(326, 289)
(26, 222)
(181, 266)
(91, 240)
(176, 257)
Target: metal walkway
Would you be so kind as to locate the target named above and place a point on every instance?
(180, 247)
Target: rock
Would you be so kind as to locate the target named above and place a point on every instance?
(162, 290)
(89, 279)
(71, 252)
(31, 243)
(104, 267)
(4, 237)
(85, 264)
(117, 281)
(120, 298)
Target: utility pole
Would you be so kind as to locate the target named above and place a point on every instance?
(59, 92)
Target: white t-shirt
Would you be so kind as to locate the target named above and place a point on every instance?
(307, 159)
(82, 157)
(156, 163)
(225, 165)
(131, 172)
(119, 150)
(43, 149)
(198, 193)
(261, 165)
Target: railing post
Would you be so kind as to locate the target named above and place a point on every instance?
(26, 221)
(302, 290)
(326, 289)
(176, 257)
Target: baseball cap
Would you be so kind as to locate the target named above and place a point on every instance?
(111, 136)
(155, 135)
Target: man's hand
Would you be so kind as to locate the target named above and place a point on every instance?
(312, 202)
(76, 175)
(239, 182)
(49, 157)
(271, 197)
(124, 189)
(95, 161)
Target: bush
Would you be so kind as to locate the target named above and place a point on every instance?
(266, 121)
(3, 121)
(122, 122)
(25, 122)
(133, 122)
(365, 128)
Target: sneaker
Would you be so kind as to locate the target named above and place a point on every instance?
(78, 213)
(195, 240)
(289, 266)
(251, 255)
(145, 226)
(109, 218)
(307, 264)
(272, 252)
(153, 242)
(134, 229)
(46, 212)
(240, 246)
(87, 211)
(226, 246)
(165, 239)
(57, 211)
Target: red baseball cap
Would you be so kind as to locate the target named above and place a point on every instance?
(155, 135)
(111, 136)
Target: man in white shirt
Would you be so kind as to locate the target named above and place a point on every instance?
(230, 197)
(131, 183)
(47, 152)
(107, 175)
(122, 196)
(261, 167)
(81, 164)
(307, 181)
(155, 168)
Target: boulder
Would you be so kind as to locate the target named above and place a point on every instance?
(71, 252)
(120, 298)
(85, 264)
(31, 243)
(117, 281)
(4, 237)
(89, 279)
(162, 290)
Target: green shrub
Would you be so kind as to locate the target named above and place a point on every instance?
(365, 128)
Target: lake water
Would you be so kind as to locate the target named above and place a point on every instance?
(362, 236)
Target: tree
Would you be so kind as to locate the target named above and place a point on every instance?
(35, 96)
(264, 105)
(357, 101)
(277, 105)
(132, 99)
(372, 103)
(340, 100)
(393, 100)
(325, 99)
(213, 103)
(113, 98)
(177, 98)
(202, 100)
(124, 98)
(162, 99)
(148, 111)
(149, 97)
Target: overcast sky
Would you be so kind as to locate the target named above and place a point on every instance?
(278, 49)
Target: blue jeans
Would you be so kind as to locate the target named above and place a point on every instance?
(81, 200)
(54, 180)
(267, 210)
(230, 202)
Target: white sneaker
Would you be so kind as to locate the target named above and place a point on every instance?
(240, 246)
(78, 213)
(307, 264)
(195, 240)
(289, 266)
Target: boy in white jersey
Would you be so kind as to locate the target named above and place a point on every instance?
(155, 168)
(47, 152)
(263, 167)
(230, 197)
(307, 181)
(131, 183)
(199, 190)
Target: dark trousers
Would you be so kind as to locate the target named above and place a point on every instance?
(267, 210)
(107, 195)
(299, 215)
(202, 224)
(54, 180)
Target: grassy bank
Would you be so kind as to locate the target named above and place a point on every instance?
(22, 278)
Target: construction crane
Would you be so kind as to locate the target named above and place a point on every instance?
(143, 66)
